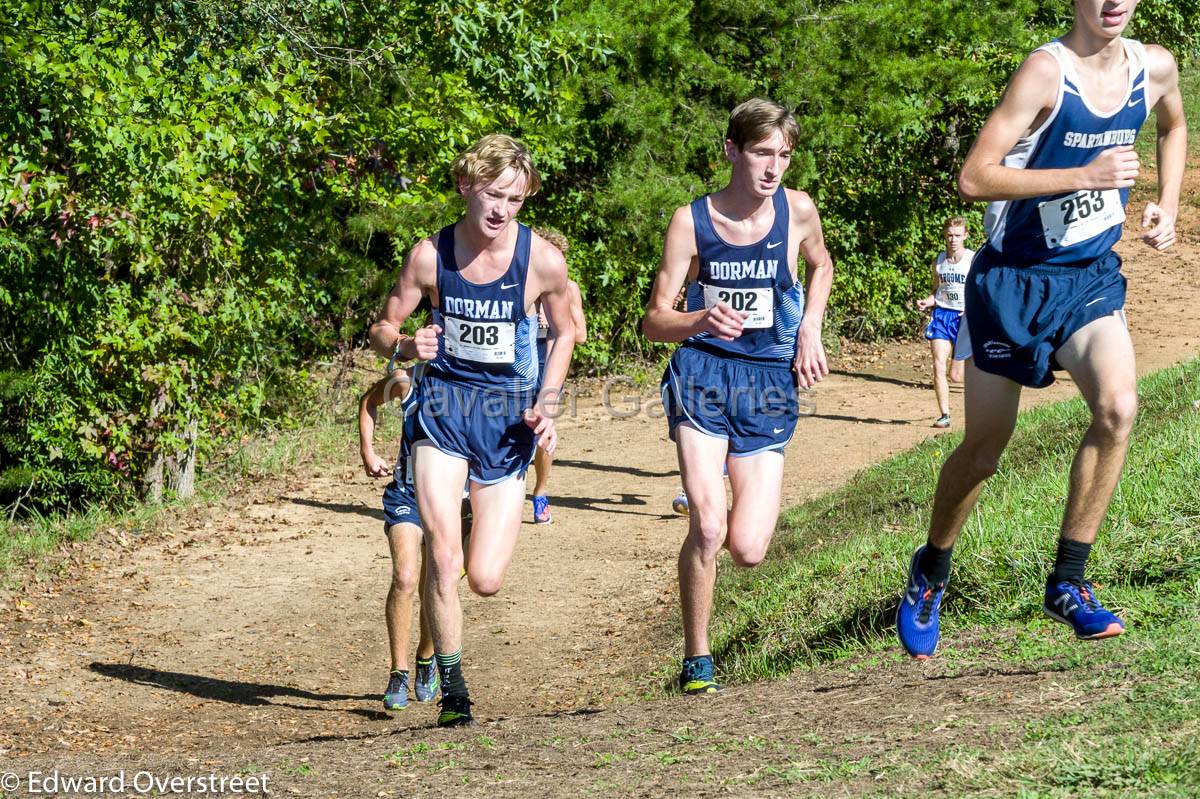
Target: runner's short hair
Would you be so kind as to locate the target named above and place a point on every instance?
(554, 237)
(756, 119)
(490, 156)
(954, 221)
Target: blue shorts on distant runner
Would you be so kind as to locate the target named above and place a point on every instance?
(944, 324)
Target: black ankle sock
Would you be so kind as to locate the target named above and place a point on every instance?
(935, 563)
(424, 661)
(1071, 559)
(450, 671)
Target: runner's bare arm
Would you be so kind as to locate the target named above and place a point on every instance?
(1030, 96)
(577, 312)
(418, 277)
(367, 417)
(1171, 148)
(810, 364)
(662, 322)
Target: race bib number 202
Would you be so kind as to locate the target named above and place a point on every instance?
(1080, 216)
(757, 304)
(483, 342)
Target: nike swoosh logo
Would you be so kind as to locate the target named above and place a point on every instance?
(508, 286)
(776, 430)
(771, 246)
(1132, 103)
(1093, 302)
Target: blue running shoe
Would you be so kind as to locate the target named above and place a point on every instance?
(396, 695)
(541, 510)
(427, 682)
(697, 676)
(1076, 604)
(917, 616)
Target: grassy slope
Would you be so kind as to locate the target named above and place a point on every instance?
(831, 584)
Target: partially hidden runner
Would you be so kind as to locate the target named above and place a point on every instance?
(479, 414)
(402, 526)
(748, 337)
(543, 460)
(1056, 161)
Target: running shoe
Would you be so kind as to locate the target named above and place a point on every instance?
(943, 421)
(396, 695)
(456, 711)
(1075, 603)
(917, 616)
(541, 510)
(680, 504)
(427, 682)
(697, 676)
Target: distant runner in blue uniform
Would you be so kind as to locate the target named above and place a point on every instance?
(479, 410)
(949, 279)
(1055, 161)
(749, 336)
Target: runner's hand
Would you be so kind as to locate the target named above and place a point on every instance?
(1115, 168)
(723, 322)
(810, 364)
(925, 303)
(543, 427)
(375, 466)
(1162, 234)
(426, 341)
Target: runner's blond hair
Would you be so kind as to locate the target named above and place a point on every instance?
(490, 156)
(756, 119)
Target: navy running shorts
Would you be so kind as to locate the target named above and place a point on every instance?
(944, 324)
(754, 407)
(399, 505)
(485, 428)
(1019, 316)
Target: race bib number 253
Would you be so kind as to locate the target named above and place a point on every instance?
(1080, 216)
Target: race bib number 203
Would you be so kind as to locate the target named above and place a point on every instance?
(483, 342)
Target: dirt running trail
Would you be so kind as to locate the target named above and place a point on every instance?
(254, 628)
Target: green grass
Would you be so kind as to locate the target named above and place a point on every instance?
(832, 582)
(830, 585)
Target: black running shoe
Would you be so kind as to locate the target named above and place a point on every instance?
(456, 711)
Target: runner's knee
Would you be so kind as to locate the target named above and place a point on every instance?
(404, 578)
(978, 460)
(747, 553)
(708, 534)
(1115, 414)
(484, 583)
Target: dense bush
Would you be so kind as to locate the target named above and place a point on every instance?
(200, 198)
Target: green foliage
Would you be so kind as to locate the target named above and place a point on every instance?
(198, 199)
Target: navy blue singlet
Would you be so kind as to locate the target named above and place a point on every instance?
(752, 278)
(1075, 228)
(488, 339)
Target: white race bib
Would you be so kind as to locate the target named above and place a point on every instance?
(759, 304)
(1079, 216)
(483, 342)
